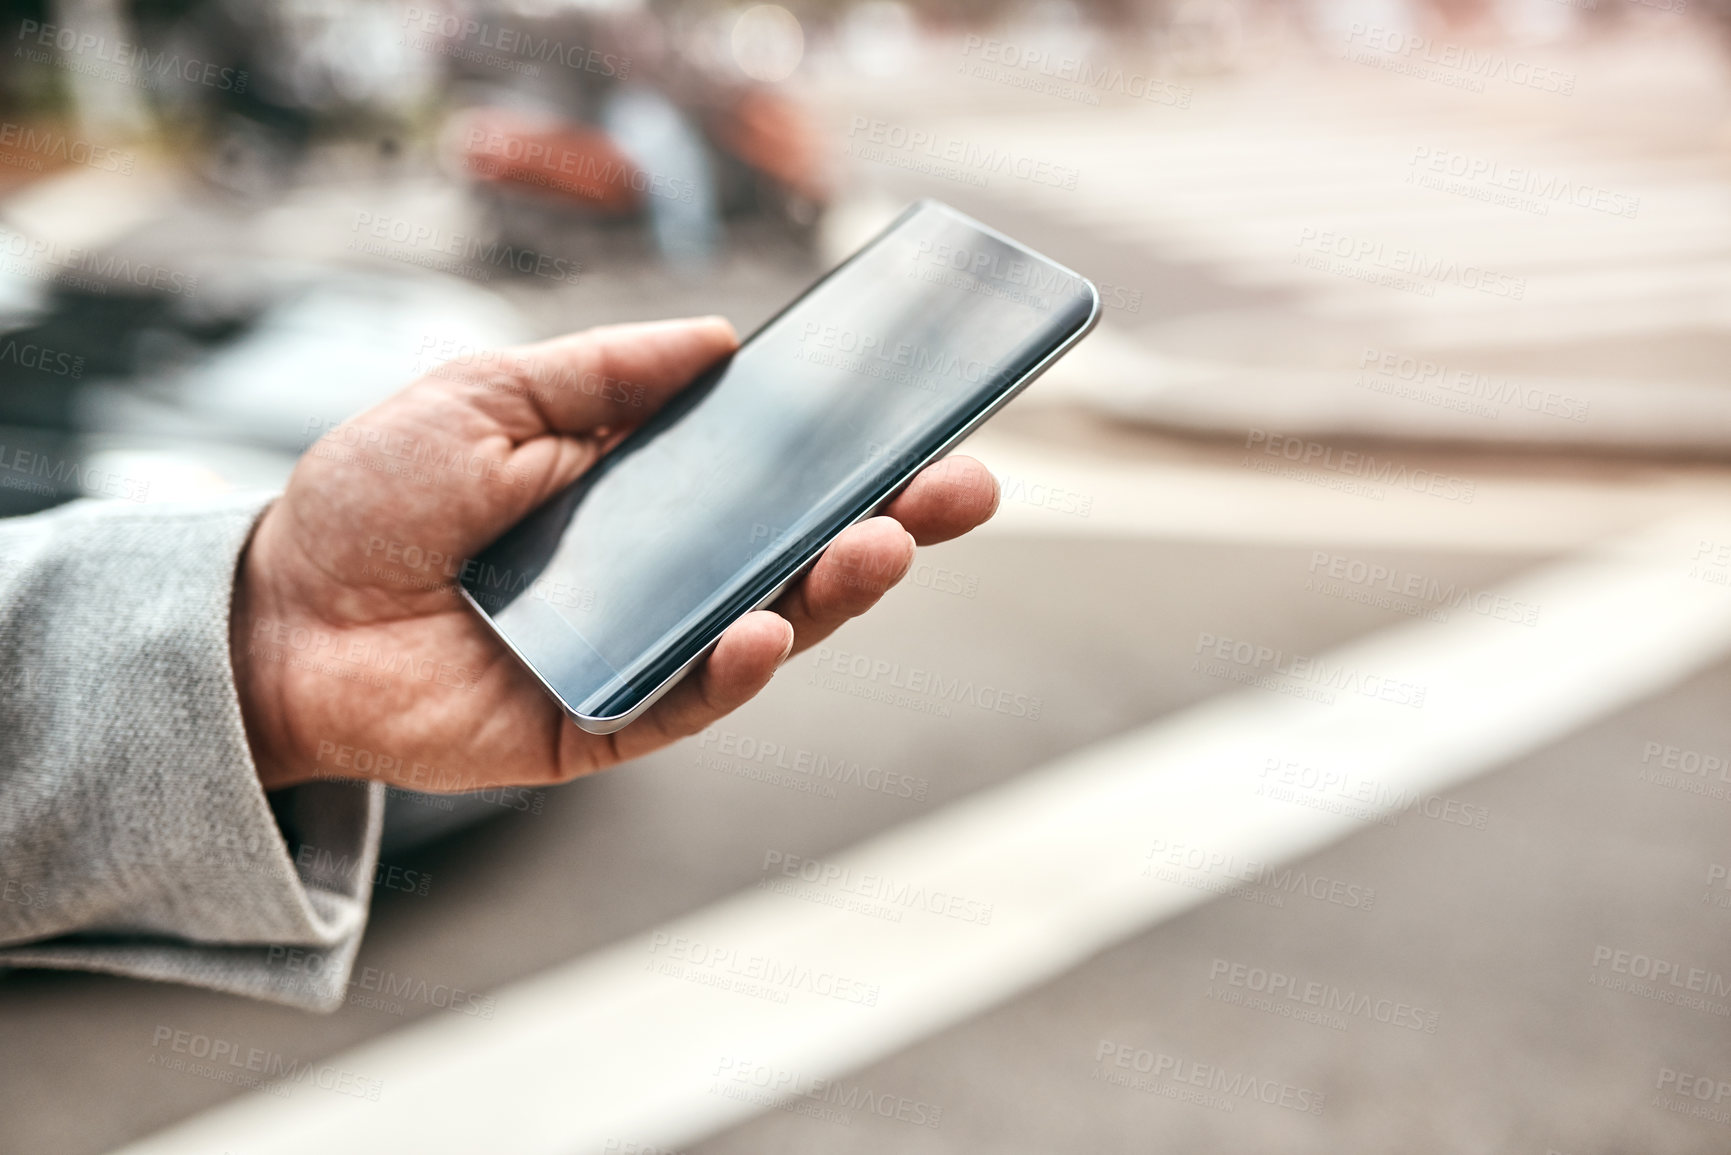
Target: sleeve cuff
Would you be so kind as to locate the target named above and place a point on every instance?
(133, 817)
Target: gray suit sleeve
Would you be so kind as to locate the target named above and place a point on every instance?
(134, 835)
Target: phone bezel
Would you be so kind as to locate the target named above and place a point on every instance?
(608, 724)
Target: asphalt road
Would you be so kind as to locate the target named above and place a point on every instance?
(1494, 930)
(1102, 631)
(1502, 934)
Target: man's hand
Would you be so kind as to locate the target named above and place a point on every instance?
(355, 656)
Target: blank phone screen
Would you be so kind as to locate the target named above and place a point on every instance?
(617, 582)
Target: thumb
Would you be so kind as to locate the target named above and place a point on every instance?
(610, 377)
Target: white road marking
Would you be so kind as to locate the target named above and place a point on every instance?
(626, 1045)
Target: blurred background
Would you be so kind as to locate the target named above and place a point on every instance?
(1413, 365)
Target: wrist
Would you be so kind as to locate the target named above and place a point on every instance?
(257, 678)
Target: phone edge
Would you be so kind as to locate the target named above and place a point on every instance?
(610, 724)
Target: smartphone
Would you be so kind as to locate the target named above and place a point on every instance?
(616, 587)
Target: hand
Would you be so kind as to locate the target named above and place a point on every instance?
(355, 656)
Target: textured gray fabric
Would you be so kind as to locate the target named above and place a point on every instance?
(134, 835)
